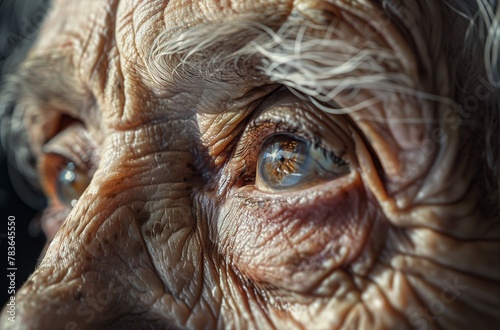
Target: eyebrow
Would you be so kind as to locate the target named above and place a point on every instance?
(204, 48)
(49, 81)
(42, 89)
(316, 67)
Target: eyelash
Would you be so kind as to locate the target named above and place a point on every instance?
(250, 152)
(51, 167)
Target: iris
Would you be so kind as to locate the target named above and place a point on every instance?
(287, 161)
(71, 182)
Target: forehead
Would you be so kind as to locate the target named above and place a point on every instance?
(86, 29)
(103, 48)
(134, 25)
(102, 45)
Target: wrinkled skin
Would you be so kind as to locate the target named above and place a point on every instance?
(172, 232)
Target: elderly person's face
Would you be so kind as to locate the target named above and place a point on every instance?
(261, 164)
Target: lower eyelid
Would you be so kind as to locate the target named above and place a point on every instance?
(332, 213)
(253, 195)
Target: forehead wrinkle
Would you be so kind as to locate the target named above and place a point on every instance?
(50, 81)
(206, 50)
(46, 89)
(225, 50)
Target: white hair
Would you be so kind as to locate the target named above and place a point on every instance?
(315, 69)
(320, 67)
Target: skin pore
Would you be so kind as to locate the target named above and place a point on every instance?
(263, 164)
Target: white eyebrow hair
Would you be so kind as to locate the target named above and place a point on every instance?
(176, 51)
(318, 68)
(313, 68)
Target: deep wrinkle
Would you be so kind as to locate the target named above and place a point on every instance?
(170, 228)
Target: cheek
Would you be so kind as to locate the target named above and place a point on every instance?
(291, 243)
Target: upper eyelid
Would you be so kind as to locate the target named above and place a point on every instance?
(247, 149)
(290, 126)
(74, 144)
(329, 133)
(48, 83)
(40, 89)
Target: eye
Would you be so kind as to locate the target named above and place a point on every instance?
(287, 161)
(71, 183)
(67, 165)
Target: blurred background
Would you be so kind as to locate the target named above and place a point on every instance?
(19, 22)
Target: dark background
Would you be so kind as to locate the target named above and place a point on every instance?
(19, 22)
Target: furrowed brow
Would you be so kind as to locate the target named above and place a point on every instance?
(30, 99)
(307, 57)
(204, 49)
(51, 81)
(34, 100)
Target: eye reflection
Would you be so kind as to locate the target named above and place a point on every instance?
(71, 182)
(287, 161)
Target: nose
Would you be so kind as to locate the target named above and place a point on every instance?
(94, 271)
(106, 267)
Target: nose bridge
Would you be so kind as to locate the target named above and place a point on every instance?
(96, 260)
(102, 253)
